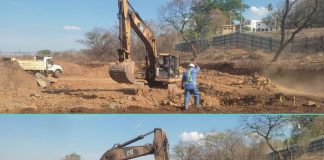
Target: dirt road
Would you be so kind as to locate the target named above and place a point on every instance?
(89, 90)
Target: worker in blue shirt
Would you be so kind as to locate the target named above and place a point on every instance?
(189, 84)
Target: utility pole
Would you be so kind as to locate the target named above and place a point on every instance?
(241, 18)
(276, 21)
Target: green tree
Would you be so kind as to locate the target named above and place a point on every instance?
(72, 156)
(246, 28)
(44, 53)
(211, 15)
(270, 7)
(228, 7)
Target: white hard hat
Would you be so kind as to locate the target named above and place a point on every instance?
(191, 65)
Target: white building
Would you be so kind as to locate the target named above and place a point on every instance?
(257, 26)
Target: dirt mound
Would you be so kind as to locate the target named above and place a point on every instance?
(72, 69)
(13, 77)
(233, 61)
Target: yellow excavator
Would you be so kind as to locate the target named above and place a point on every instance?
(159, 148)
(160, 68)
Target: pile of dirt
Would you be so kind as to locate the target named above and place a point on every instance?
(233, 61)
(303, 72)
(72, 69)
(13, 77)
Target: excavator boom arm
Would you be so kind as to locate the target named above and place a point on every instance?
(159, 148)
(145, 34)
(128, 152)
(123, 70)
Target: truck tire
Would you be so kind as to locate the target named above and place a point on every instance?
(57, 73)
(38, 74)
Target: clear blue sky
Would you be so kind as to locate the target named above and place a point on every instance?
(51, 137)
(31, 25)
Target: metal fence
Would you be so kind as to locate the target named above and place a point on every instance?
(250, 41)
(200, 44)
(315, 146)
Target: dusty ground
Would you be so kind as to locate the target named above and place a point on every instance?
(228, 84)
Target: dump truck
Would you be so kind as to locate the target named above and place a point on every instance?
(40, 65)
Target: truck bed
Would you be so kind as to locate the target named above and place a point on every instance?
(32, 65)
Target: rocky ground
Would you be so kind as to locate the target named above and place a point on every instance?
(231, 81)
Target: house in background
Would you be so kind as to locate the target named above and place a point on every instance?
(257, 26)
(228, 29)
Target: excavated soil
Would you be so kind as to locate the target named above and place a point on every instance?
(232, 81)
(15, 78)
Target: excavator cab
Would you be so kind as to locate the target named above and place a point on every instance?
(168, 68)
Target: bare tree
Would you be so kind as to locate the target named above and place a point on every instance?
(299, 20)
(179, 15)
(227, 145)
(102, 43)
(269, 127)
(72, 156)
(258, 150)
(186, 151)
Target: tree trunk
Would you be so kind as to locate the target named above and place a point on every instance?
(283, 44)
(278, 53)
(192, 47)
(274, 150)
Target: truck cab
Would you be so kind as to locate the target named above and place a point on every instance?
(52, 68)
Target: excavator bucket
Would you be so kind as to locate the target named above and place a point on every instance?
(122, 72)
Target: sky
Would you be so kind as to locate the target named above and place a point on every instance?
(32, 25)
(33, 137)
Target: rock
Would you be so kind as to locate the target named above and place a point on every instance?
(114, 99)
(112, 105)
(172, 87)
(131, 91)
(52, 80)
(172, 104)
(240, 82)
(42, 83)
(310, 104)
(36, 95)
(165, 102)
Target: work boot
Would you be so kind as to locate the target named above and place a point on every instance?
(197, 106)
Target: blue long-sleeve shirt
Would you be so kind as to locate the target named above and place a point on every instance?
(190, 84)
